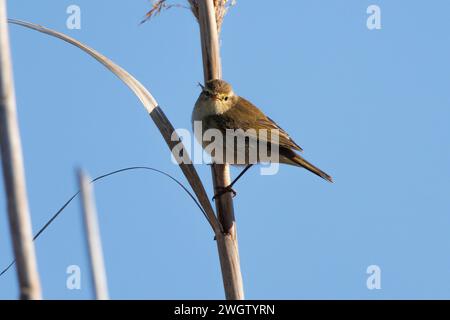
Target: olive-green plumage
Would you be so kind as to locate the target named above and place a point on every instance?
(219, 108)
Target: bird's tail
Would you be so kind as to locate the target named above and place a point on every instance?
(296, 160)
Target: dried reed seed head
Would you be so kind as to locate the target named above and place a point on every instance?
(157, 7)
(221, 7)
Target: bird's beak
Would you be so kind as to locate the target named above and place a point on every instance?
(201, 86)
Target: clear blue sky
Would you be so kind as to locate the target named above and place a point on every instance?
(369, 107)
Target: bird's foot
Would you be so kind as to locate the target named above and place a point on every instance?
(222, 190)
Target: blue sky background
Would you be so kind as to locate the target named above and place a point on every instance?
(369, 107)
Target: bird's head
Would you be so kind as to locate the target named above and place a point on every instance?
(218, 90)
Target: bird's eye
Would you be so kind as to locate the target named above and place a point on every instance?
(226, 98)
(206, 93)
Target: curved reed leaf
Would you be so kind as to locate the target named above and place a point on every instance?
(165, 127)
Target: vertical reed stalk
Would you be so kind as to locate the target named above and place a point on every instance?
(93, 239)
(14, 173)
(227, 243)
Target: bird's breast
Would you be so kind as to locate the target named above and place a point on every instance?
(208, 107)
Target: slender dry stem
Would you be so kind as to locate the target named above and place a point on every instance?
(93, 239)
(220, 10)
(227, 243)
(14, 173)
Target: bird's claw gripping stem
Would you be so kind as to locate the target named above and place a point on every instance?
(222, 190)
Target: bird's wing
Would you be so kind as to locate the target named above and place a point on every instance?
(257, 120)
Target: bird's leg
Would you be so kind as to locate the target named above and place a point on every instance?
(229, 188)
(240, 175)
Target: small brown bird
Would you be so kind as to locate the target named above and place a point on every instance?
(218, 107)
